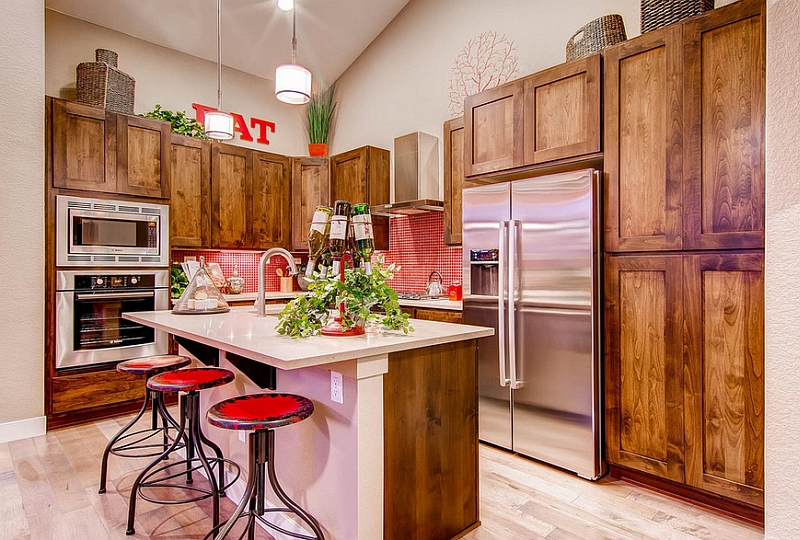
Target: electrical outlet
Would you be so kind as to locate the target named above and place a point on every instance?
(337, 387)
(243, 436)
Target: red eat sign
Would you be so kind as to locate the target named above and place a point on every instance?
(239, 124)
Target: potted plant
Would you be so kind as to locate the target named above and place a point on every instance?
(181, 124)
(319, 111)
(366, 299)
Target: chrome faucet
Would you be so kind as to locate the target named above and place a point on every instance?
(262, 264)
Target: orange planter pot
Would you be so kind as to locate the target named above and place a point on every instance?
(318, 150)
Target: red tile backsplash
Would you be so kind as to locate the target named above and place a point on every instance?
(416, 243)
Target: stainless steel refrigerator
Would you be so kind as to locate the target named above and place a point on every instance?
(531, 270)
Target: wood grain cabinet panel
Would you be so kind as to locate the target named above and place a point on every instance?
(643, 153)
(493, 129)
(190, 188)
(453, 179)
(725, 79)
(362, 175)
(271, 200)
(644, 389)
(84, 147)
(90, 390)
(231, 196)
(562, 111)
(311, 187)
(725, 370)
(143, 156)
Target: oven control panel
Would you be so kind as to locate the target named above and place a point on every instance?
(115, 281)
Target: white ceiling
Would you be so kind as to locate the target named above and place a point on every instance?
(256, 35)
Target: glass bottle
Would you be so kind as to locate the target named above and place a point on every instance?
(362, 232)
(337, 242)
(318, 235)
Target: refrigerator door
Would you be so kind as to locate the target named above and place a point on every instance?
(485, 211)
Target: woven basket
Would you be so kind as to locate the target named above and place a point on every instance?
(658, 13)
(101, 84)
(596, 35)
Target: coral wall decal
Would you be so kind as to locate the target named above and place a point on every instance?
(485, 61)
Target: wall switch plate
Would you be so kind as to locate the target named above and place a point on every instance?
(243, 436)
(337, 387)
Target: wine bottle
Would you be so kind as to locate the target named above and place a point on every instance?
(337, 242)
(362, 232)
(318, 235)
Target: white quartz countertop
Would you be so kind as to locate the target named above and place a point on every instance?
(241, 332)
(431, 304)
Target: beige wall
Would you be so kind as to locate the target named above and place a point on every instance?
(782, 275)
(22, 211)
(173, 79)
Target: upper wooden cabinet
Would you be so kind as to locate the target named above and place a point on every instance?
(562, 111)
(311, 187)
(725, 55)
(249, 198)
(548, 116)
(684, 134)
(453, 179)
(362, 175)
(190, 188)
(96, 150)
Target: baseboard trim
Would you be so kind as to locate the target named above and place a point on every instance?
(22, 429)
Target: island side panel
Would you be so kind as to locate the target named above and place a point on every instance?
(431, 442)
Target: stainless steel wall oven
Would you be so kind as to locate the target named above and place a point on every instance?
(90, 329)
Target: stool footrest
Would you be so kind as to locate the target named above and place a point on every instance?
(131, 449)
(152, 481)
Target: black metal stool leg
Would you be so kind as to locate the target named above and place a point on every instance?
(196, 435)
(115, 438)
(247, 497)
(135, 488)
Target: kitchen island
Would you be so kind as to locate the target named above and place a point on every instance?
(398, 457)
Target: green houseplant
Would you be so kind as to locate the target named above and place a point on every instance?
(365, 297)
(181, 124)
(319, 112)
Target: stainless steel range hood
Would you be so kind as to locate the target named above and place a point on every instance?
(416, 177)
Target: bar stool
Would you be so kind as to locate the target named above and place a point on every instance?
(121, 444)
(262, 413)
(189, 382)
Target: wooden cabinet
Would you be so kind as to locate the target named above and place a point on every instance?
(100, 151)
(441, 315)
(453, 179)
(362, 175)
(684, 374)
(549, 116)
(249, 198)
(684, 134)
(190, 188)
(311, 187)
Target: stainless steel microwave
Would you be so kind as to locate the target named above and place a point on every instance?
(100, 232)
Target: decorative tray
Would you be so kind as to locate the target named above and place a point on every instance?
(202, 311)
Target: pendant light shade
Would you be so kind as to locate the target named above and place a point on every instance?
(218, 124)
(293, 84)
(293, 81)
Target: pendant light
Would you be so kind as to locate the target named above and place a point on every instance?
(218, 124)
(293, 81)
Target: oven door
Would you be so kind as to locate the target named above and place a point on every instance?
(90, 329)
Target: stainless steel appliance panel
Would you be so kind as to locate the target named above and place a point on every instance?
(484, 207)
(555, 399)
(554, 219)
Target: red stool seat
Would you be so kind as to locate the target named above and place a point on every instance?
(153, 365)
(187, 380)
(260, 411)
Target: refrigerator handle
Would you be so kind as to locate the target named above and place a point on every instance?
(513, 250)
(502, 244)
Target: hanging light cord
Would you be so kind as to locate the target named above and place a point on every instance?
(294, 38)
(219, 55)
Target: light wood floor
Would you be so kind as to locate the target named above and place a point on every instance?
(48, 490)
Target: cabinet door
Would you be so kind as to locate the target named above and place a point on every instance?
(190, 193)
(562, 111)
(643, 154)
(644, 370)
(453, 179)
(724, 396)
(231, 196)
(311, 187)
(493, 129)
(441, 315)
(724, 121)
(271, 201)
(143, 163)
(84, 147)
